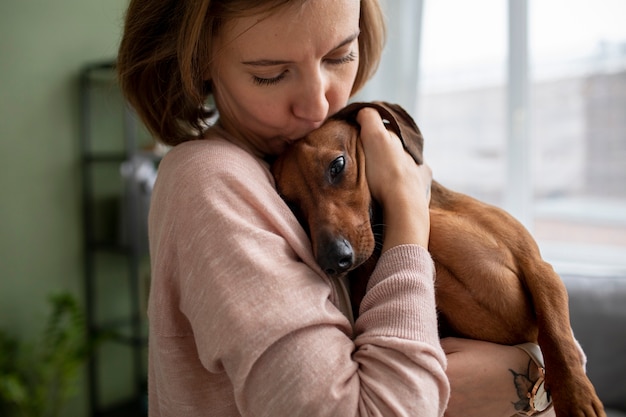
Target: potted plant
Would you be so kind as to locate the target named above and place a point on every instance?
(37, 380)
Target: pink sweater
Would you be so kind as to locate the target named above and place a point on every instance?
(244, 323)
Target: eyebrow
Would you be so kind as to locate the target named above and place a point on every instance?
(273, 62)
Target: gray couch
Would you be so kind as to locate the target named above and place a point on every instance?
(598, 316)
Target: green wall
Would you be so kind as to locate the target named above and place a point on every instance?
(43, 45)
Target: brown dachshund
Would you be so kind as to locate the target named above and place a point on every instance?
(491, 282)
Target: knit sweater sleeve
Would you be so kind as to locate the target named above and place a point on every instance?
(231, 270)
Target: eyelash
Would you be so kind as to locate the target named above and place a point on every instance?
(344, 59)
(275, 80)
(268, 81)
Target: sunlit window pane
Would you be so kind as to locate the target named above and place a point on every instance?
(577, 99)
(578, 90)
(462, 102)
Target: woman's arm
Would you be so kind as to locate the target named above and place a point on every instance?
(263, 317)
(488, 379)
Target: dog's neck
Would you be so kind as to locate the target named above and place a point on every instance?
(378, 227)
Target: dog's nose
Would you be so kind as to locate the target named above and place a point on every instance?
(336, 257)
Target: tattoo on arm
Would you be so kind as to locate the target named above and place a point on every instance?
(523, 385)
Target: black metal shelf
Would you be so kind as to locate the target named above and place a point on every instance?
(122, 331)
(129, 331)
(105, 158)
(132, 408)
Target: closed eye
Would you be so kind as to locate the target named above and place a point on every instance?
(269, 81)
(350, 57)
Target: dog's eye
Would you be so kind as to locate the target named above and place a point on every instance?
(336, 167)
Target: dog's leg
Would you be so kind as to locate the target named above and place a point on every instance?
(490, 275)
(572, 392)
(478, 295)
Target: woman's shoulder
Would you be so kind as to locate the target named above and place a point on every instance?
(214, 152)
(213, 158)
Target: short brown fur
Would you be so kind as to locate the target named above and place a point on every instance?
(491, 282)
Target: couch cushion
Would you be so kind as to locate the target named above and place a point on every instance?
(598, 316)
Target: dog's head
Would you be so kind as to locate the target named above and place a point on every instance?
(322, 178)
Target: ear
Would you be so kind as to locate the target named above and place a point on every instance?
(396, 119)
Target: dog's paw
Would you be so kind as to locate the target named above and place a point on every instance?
(576, 398)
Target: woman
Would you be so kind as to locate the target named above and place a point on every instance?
(242, 321)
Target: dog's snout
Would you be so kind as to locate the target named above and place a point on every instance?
(336, 257)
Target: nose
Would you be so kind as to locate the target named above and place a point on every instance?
(311, 103)
(335, 256)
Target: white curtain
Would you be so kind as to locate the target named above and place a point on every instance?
(397, 78)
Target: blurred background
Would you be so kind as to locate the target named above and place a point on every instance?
(521, 103)
(567, 178)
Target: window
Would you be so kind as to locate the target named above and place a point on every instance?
(567, 179)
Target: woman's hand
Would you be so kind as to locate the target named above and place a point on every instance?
(483, 378)
(400, 185)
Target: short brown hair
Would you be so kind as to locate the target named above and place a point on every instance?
(165, 50)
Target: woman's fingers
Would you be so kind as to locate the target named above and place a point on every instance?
(397, 182)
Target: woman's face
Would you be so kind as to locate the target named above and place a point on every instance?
(277, 77)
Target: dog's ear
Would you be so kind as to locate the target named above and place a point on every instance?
(396, 119)
(349, 112)
(403, 125)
